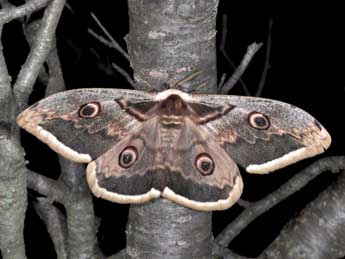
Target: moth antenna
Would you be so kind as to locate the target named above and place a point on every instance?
(187, 78)
(195, 88)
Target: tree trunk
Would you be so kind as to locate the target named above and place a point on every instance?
(168, 42)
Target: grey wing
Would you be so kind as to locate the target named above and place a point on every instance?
(56, 120)
(264, 135)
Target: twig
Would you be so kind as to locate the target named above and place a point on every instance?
(10, 13)
(333, 164)
(38, 54)
(100, 38)
(244, 203)
(114, 43)
(69, 7)
(225, 54)
(251, 50)
(124, 74)
(56, 225)
(267, 59)
(105, 66)
(111, 43)
(222, 81)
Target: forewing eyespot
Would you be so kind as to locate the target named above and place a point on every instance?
(204, 163)
(258, 121)
(89, 110)
(128, 157)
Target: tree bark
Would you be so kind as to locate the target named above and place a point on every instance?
(13, 197)
(12, 171)
(169, 40)
(162, 229)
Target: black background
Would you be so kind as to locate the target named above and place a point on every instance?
(307, 58)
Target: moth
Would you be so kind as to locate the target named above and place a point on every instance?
(182, 147)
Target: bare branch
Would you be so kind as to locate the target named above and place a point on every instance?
(111, 43)
(10, 13)
(56, 225)
(333, 164)
(81, 223)
(226, 56)
(52, 78)
(100, 38)
(222, 81)
(267, 59)
(114, 43)
(319, 230)
(69, 7)
(13, 196)
(5, 79)
(56, 82)
(50, 188)
(38, 54)
(251, 50)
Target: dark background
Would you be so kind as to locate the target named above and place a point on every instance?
(306, 70)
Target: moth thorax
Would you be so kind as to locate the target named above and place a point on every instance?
(175, 106)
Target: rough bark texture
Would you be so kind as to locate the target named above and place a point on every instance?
(56, 225)
(12, 172)
(12, 182)
(162, 229)
(318, 232)
(81, 225)
(167, 42)
(12, 166)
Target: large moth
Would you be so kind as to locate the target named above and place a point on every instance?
(183, 147)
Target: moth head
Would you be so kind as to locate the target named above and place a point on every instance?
(128, 157)
(89, 110)
(258, 121)
(205, 164)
